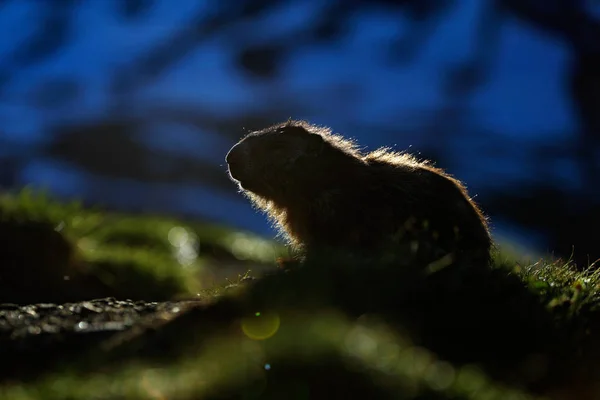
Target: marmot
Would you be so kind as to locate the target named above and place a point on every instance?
(323, 192)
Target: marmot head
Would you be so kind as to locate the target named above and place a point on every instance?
(292, 160)
(269, 161)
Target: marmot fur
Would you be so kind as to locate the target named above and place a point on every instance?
(323, 192)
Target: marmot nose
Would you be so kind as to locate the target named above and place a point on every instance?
(235, 155)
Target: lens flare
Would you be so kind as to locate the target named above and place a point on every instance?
(261, 325)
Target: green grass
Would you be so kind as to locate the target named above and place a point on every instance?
(378, 329)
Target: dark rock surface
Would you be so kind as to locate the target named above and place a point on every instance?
(39, 337)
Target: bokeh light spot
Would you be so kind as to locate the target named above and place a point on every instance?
(414, 246)
(185, 245)
(246, 247)
(178, 236)
(440, 375)
(440, 263)
(261, 326)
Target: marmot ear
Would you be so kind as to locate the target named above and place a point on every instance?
(315, 144)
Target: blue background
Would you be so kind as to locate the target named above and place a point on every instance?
(133, 104)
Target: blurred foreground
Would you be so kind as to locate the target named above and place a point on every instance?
(138, 307)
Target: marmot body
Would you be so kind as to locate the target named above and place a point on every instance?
(323, 192)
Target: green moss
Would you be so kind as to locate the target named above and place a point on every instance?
(65, 252)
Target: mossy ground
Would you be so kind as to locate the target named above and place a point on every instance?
(332, 329)
(87, 253)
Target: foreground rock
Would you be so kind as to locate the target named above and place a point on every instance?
(38, 337)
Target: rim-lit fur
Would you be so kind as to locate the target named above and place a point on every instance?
(321, 190)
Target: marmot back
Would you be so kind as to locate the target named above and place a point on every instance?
(322, 192)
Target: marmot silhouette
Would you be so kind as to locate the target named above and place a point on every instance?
(323, 192)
